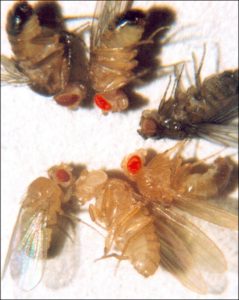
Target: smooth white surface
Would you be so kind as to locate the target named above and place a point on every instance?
(37, 133)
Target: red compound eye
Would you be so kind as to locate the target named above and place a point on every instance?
(102, 103)
(62, 175)
(134, 164)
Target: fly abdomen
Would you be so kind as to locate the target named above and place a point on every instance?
(221, 87)
(144, 249)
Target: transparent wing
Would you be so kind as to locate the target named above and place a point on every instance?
(27, 250)
(105, 12)
(176, 258)
(222, 134)
(204, 251)
(208, 211)
(10, 74)
(223, 127)
(185, 249)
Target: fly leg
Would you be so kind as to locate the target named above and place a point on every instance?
(140, 229)
(119, 224)
(198, 70)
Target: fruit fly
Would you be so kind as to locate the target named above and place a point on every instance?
(39, 217)
(208, 110)
(116, 34)
(45, 55)
(170, 186)
(118, 209)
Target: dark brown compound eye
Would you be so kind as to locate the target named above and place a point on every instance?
(50, 15)
(18, 17)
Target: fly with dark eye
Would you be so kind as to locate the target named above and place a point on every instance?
(208, 110)
(44, 53)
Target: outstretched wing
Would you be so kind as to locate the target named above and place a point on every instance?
(176, 259)
(185, 249)
(105, 12)
(27, 251)
(223, 127)
(10, 74)
(208, 211)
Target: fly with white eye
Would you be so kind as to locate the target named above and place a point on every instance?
(44, 53)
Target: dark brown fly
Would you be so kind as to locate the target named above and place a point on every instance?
(208, 110)
(44, 53)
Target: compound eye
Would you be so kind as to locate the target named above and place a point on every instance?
(134, 164)
(49, 14)
(102, 103)
(62, 175)
(131, 17)
(18, 16)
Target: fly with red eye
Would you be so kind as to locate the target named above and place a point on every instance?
(117, 33)
(45, 207)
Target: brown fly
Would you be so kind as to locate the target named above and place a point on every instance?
(208, 110)
(42, 208)
(44, 53)
(116, 34)
(119, 210)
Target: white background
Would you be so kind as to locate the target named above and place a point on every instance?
(37, 133)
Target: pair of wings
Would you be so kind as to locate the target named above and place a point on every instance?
(185, 249)
(31, 247)
(105, 12)
(222, 128)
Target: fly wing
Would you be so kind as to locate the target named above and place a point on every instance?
(176, 258)
(105, 12)
(27, 250)
(208, 211)
(10, 74)
(223, 127)
(204, 251)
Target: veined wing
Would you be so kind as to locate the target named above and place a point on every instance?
(223, 127)
(206, 255)
(27, 251)
(10, 74)
(176, 258)
(205, 210)
(105, 12)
